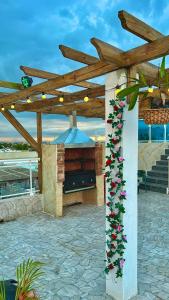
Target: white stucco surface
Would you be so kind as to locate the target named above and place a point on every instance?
(125, 288)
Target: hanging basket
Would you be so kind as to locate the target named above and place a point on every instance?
(143, 105)
(156, 116)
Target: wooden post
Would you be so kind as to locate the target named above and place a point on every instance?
(126, 287)
(39, 140)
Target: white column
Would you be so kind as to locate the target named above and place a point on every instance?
(149, 133)
(126, 287)
(165, 132)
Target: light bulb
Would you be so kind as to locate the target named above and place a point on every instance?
(61, 99)
(150, 89)
(117, 90)
(43, 96)
(86, 99)
(2, 108)
(12, 106)
(28, 100)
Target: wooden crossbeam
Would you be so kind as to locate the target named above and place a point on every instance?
(135, 56)
(138, 27)
(11, 85)
(20, 129)
(78, 55)
(84, 73)
(48, 75)
(69, 98)
(150, 71)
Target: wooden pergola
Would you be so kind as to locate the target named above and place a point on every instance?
(109, 59)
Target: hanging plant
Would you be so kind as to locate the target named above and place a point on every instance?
(142, 87)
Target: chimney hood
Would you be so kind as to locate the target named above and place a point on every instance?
(74, 137)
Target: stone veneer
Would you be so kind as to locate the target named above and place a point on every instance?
(12, 208)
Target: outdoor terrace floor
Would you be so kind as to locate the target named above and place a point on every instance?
(73, 250)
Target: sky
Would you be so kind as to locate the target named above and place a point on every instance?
(31, 31)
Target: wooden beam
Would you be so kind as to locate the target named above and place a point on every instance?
(84, 73)
(78, 55)
(150, 71)
(69, 98)
(48, 75)
(138, 27)
(39, 141)
(20, 129)
(135, 56)
(11, 85)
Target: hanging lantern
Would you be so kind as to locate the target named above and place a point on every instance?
(12, 106)
(61, 99)
(150, 89)
(43, 96)
(26, 81)
(2, 108)
(28, 100)
(86, 99)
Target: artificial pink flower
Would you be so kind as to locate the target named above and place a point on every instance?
(122, 103)
(123, 193)
(122, 261)
(118, 180)
(119, 116)
(120, 125)
(119, 228)
(121, 158)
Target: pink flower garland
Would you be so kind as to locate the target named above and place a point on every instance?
(114, 162)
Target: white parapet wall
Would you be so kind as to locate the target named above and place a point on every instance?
(13, 208)
(18, 155)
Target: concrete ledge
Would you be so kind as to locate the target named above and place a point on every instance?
(13, 208)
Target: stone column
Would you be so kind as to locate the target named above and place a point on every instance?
(53, 177)
(125, 287)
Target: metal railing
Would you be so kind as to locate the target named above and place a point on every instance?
(18, 177)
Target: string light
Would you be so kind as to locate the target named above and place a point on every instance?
(2, 108)
(117, 90)
(12, 106)
(61, 99)
(28, 100)
(86, 99)
(43, 96)
(150, 89)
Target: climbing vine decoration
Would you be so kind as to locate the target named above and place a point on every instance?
(115, 237)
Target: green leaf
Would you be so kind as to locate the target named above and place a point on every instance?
(142, 79)
(129, 90)
(162, 68)
(144, 94)
(133, 100)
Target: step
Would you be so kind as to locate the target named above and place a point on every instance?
(154, 173)
(154, 187)
(161, 168)
(167, 151)
(161, 162)
(160, 180)
(164, 157)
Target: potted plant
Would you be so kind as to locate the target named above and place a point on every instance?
(23, 288)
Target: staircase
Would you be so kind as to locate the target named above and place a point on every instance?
(157, 178)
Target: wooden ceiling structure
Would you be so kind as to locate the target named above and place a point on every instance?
(109, 59)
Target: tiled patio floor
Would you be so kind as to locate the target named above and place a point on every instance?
(73, 250)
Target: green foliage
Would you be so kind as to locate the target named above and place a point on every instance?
(135, 90)
(2, 291)
(133, 99)
(162, 70)
(27, 273)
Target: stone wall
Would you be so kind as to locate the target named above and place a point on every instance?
(149, 153)
(13, 208)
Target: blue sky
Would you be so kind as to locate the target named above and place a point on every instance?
(31, 31)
